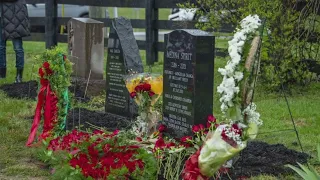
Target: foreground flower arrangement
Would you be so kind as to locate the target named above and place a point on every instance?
(145, 89)
(147, 151)
(53, 96)
(97, 155)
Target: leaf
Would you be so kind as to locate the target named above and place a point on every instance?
(314, 171)
(299, 171)
(49, 153)
(308, 172)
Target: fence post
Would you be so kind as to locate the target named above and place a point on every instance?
(152, 15)
(51, 33)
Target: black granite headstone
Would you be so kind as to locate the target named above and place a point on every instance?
(188, 79)
(123, 59)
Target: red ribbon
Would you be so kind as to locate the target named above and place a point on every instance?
(47, 101)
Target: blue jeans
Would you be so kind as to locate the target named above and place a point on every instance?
(18, 48)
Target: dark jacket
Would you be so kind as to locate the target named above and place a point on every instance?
(14, 19)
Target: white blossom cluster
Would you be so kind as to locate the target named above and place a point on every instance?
(228, 88)
(253, 115)
(233, 134)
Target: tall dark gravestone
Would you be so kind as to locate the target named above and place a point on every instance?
(188, 79)
(123, 58)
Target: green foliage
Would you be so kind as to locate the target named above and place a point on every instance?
(286, 43)
(59, 82)
(150, 166)
(307, 173)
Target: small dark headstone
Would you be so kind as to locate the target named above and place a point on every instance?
(188, 79)
(123, 59)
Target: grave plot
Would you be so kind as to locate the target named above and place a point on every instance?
(189, 143)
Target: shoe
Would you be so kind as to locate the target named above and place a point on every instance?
(19, 76)
(3, 73)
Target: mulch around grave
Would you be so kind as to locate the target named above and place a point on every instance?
(86, 118)
(263, 158)
(29, 89)
(21, 90)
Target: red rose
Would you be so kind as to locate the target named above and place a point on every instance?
(64, 57)
(133, 94)
(139, 88)
(171, 144)
(201, 127)
(41, 73)
(195, 128)
(162, 128)
(186, 139)
(208, 125)
(211, 118)
(160, 144)
(146, 87)
(46, 65)
(151, 93)
(115, 132)
(98, 132)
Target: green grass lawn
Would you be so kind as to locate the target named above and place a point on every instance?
(19, 162)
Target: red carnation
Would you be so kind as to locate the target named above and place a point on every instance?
(151, 93)
(162, 128)
(46, 65)
(133, 94)
(195, 128)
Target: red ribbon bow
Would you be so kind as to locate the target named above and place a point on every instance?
(47, 100)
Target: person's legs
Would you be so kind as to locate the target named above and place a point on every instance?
(3, 60)
(18, 48)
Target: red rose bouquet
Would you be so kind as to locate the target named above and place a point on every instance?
(145, 89)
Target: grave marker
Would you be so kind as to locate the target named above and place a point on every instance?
(188, 79)
(86, 42)
(123, 58)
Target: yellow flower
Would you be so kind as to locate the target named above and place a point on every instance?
(131, 84)
(157, 85)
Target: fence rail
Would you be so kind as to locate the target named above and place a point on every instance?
(151, 23)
